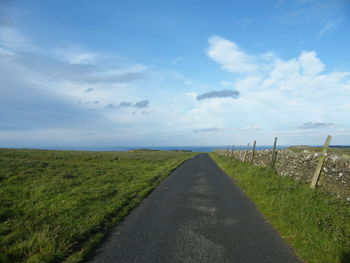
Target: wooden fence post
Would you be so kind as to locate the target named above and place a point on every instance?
(253, 153)
(246, 153)
(233, 147)
(274, 154)
(320, 162)
(228, 151)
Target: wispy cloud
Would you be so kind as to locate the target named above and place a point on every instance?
(110, 106)
(315, 125)
(89, 102)
(207, 129)
(81, 73)
(42, 88)
(331, 26)
(5, 21)
(5, 52)
(26, 105)
(244, 21)
(307, 11)
(141, 104)
(61, 64)
(178, 59)
(251, 128)
(343, 132)
(124, 104)
(76, 56)
(88, 90)
(234, 94)
(14, 40)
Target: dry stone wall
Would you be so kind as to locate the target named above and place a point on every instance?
(335, 175)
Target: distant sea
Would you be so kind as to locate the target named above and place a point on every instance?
(161, 148)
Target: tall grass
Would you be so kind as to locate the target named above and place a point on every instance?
(315, 224)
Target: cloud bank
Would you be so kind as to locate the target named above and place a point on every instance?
(279, 94)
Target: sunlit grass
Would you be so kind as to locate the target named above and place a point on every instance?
(55, 205)
(315, 224)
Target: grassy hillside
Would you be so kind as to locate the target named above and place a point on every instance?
(315, 224)
(55, 205)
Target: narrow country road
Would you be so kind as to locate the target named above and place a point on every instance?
(197, 214)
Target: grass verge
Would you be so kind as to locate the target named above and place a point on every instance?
(315, 224)
(56, 205)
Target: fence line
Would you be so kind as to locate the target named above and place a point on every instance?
(243, 156)
(320, 162)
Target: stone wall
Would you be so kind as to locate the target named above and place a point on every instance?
(335, 175)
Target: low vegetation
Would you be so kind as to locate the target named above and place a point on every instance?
(340, 150)
(56, 205)
(315, 224)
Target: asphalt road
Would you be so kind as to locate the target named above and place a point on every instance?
(197, 214)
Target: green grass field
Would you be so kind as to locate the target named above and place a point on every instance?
(315, 224)
(56, 205)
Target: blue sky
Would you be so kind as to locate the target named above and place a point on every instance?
(109, 73)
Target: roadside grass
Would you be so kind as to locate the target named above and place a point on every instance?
(56, 205)
(316, 225)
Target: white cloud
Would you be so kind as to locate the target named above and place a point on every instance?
(285, 69)
(229, 56)
(282, 94)
(297, 75)
(310, 64)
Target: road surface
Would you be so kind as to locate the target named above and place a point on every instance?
(198, 214)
